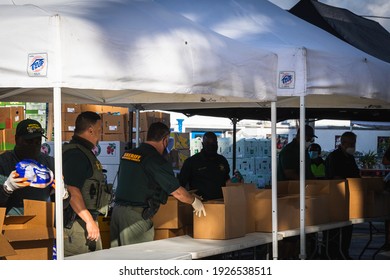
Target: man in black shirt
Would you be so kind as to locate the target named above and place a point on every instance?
(341, 164)
(206, 171)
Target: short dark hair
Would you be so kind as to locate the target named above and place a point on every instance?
(315, 146)
(157, 131)
(211, 136)
(84, 120)
(348, 135)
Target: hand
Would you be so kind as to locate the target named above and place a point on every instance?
(65, 193)
(198, 207)
(14, 182)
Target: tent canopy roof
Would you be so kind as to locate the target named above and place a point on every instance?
(365, 34)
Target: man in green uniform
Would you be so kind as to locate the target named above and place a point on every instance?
(85, 179)
(145, 180)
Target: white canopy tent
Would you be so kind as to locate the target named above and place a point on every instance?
(122, 52)
(315, 69)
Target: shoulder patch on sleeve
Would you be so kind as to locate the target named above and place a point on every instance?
(132, 157)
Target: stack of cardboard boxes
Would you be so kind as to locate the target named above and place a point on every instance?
(9, 119)
(114, 121)
(253, 159)
(173, 219)
(145, 120)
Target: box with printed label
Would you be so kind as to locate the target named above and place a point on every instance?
(71, 108)
(114, 123)
(69, 121)
(225, 218)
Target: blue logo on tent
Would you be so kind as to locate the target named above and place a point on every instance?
(287, 79)
(37, 63)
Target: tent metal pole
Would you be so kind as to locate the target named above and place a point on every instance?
(274, 183)
(302, 153)
(137, 128)
(59, 191)
(234, 120)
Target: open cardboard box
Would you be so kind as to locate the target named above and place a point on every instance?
(173, 215)
(5, 248)
(367, 198)
(337, 191)
(225, 218)
(31, 235)
(289, 211)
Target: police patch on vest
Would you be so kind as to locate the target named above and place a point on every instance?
(132, 157)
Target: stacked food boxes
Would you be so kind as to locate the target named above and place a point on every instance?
(9, 119)
(253, 159)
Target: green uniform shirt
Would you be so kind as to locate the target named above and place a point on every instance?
(144, 174)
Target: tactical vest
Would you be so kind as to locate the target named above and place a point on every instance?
(96, 192)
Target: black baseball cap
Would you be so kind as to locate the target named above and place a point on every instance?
(309, 131)
(29, 129)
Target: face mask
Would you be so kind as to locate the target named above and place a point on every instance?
(350, 151)
(313, 154)
(210, 149)
(307, 144)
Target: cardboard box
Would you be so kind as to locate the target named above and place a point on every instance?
(114, 137)
(16, 115)
(177, 158)
(115, 110)
(337, 190)
(5, 248)
(71, 108)
(8, 138)
(289, 211)
(114, 123)
(69, 121)
(67, 135)
(32, 235)
(225, 218)
(11, 116)
(104, 227)
(367, 198)
(173, 215)
(169, 233)
(250, 196)
(180, 140)
(91, 107)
